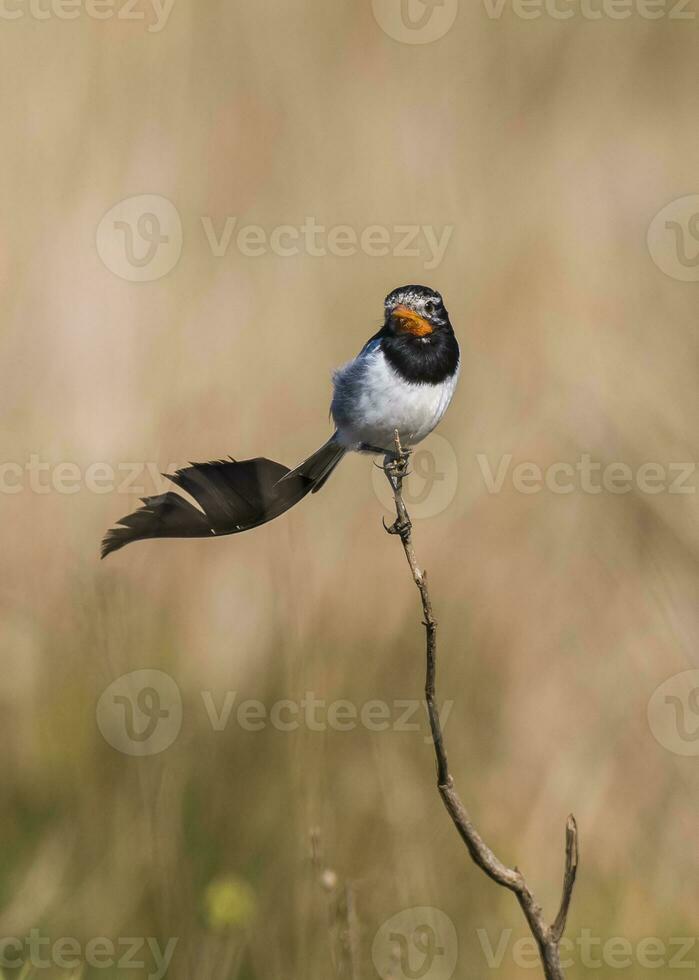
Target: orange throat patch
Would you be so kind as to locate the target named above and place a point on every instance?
(411, 322)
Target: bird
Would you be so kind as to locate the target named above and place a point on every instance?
(402, 380)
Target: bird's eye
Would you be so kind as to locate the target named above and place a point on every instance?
(429, 307)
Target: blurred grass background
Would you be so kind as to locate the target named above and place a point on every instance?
(549, 146)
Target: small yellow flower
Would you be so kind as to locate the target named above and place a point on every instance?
(229, 901)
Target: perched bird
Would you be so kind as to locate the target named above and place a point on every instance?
(402, 379)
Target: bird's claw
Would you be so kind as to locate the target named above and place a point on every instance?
(396, 464)
(402, 528)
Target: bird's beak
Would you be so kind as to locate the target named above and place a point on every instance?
(411, 322)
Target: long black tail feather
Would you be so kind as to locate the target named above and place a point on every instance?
(233, 496)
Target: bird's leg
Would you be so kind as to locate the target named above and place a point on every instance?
(396, 460)
(395, 465)
(366, 447)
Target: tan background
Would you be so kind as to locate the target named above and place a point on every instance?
(549, 146)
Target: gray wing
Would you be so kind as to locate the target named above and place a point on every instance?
(348, 381)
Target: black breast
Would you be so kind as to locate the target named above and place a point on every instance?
(420, 360)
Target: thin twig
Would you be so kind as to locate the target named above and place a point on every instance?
(547, 937)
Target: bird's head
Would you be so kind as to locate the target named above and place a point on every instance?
(415, 312)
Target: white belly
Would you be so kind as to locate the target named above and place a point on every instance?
(371, 400)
